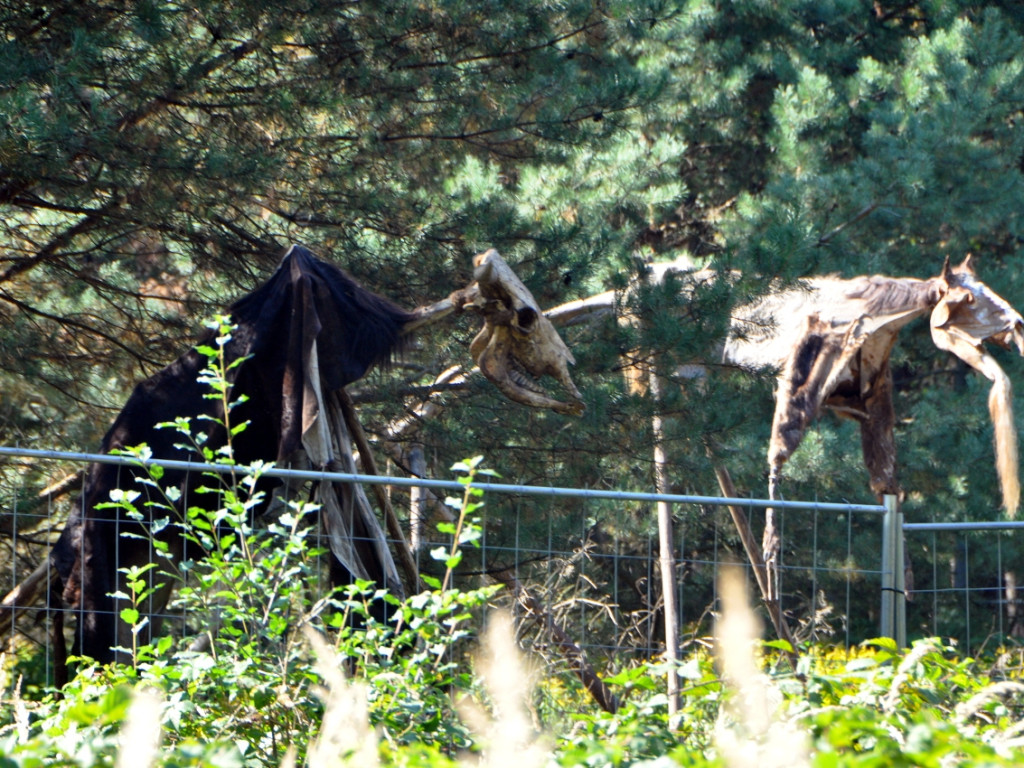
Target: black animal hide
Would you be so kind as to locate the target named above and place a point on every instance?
(801, 387)
(308, 316)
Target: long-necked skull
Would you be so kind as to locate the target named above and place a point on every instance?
(972, 313)
(518, 344)
(969, 314)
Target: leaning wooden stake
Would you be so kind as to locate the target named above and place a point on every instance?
(750, 545)
(22, 596)
(9, 520)
(370, 467)
(25, 594)
(577, 659)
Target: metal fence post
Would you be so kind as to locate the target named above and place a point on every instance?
(900, 567)
(894, 603)
(888, 576)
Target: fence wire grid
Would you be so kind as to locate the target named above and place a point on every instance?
(591, 558)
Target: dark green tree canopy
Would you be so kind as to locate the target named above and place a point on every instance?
(157, 157)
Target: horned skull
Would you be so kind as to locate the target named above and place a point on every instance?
(969, 314)
(973, 313)
(518, 344)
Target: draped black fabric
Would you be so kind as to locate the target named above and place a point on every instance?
(307, 307)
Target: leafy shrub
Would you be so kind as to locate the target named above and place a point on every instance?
(291, 677)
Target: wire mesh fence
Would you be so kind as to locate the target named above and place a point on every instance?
(590, 559)
(965, 578)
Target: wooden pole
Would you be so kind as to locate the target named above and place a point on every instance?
(417, 499)
(666, 548)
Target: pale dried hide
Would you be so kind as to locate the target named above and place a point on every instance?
(831, 341)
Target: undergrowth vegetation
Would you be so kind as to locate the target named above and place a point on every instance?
(273, 674)
(423, 691)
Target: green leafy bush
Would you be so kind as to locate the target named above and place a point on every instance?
(288, 676)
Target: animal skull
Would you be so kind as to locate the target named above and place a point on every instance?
(518, 344)
(973, 313)
(969, 314)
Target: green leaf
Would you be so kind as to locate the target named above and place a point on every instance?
(886, 643)
(430, 581)
(467, 465)
(122, 496)
(471, 534)
(454, 560)
(861, 663)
